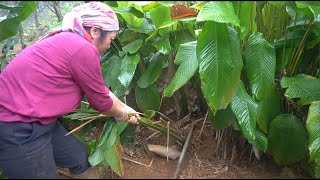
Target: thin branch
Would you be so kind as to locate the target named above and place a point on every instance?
(139, 162)
(166, 117)
(64, 174)
(50, 6)
(152, 135)
(79, 127)
(168, 130)
(204, 121)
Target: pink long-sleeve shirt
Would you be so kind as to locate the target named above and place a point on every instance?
(49, 79)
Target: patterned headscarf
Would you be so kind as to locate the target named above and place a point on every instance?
(88, 15)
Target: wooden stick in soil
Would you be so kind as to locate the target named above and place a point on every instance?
(183, 151)
(204, 121)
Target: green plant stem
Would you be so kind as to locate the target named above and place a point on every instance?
(300, 48)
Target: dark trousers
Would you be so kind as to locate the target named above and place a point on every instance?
(33, 150)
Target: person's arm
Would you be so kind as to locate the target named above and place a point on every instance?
(121, 111)
(86, 72)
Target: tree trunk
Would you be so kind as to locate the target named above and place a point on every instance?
(23, 45)
(57, 10)
(35, 16)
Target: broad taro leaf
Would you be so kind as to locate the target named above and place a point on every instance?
(260, 62)
(313, 128)
(220, 64)
(148, 98)
(218, 11)
(245, 109)
(187, 59)
(128, 69)
(153, 71)
(302, 86)
(287, 139)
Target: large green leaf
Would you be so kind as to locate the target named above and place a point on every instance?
(218, 11)
(183, 36)
(108, 149)
(148, 98)
(162, 45)
(107, 128)
(111, 70)
(287, 139)
(8, 7)
(261, 141)
(245, 109)
(293, 39)
(187, 59)
(302, 86)
(113, 157)
(160, 15)
(222, 119)
(128, 68)
(260, 65)
(133, 47)
(132, 20)
(269, 108)
(220, 63)
(96, 157)
(312, 9)
(145, 27)
(153, 71)
(9, 27)
(128, 10)
(313, 127)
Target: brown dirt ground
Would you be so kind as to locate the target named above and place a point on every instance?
(204, 159)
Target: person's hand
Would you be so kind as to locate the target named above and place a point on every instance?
(129, 114)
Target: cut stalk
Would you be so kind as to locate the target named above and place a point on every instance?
(162, 128)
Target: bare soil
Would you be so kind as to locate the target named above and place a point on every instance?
(204, 159)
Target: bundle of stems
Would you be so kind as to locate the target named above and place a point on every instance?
(90, 115)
